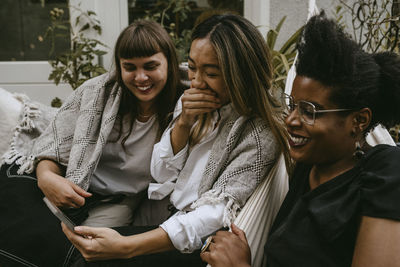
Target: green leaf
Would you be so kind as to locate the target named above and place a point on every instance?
(77, 20)
(85, 27)
(97, 28)
(292, 40)
(272, 34)
(100, 52)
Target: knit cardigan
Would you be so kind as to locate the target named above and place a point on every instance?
(242, 155)
(74, 137)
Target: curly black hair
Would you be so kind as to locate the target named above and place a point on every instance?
(357, 79)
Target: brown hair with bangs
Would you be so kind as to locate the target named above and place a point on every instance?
(145, 38)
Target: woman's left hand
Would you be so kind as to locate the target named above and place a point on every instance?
(228, 249)
(97, 243)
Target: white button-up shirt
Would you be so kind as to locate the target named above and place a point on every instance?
(188, 227)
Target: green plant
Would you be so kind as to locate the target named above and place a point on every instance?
(77, 64)
(375, 24)
(172, 15)
(376, 27)
(283, 58)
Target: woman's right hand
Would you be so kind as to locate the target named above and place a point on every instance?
(196, 102)
(60, 191)
(228, 249)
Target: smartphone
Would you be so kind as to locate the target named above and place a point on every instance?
(59, 214)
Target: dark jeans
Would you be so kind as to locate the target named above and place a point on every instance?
(30, 235)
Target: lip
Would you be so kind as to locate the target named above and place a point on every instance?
(296, 140)
(144, 89)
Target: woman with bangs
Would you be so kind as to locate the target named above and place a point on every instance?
(93, 160)
(225, 136)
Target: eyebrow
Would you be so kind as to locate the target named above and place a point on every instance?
(206, 65)
(152, 62)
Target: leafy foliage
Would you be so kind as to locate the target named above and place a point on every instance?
(375, 24)
(376, 27)
(283, 58)
(172, 15)
(77, 64)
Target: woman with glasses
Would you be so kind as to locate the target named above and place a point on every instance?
(342, 208)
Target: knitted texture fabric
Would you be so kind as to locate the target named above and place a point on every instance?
(74, 136)
(241, 157)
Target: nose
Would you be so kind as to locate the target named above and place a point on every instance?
(293, 119)
(197, 81)
(140, 75)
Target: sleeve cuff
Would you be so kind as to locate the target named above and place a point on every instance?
(187, 230)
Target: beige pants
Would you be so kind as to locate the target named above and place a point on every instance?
(113, 215)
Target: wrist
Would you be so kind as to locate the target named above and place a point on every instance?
(182, 124)
(129, 247)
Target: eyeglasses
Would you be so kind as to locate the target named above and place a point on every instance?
(306, 109)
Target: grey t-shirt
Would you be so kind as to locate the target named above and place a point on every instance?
(126, 172)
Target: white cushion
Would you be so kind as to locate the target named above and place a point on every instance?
(10, 109)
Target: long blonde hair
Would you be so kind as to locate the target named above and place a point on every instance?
(245, 63)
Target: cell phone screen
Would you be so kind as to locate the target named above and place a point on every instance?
(59, 214)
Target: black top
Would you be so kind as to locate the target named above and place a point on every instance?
(319, 227)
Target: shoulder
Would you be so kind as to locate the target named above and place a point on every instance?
(105, 80)
(380, 182)
(382, 157)
(258, 130)
(254, 133)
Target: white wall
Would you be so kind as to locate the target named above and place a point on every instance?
(266, 14)
(296, 15)
(31, 77)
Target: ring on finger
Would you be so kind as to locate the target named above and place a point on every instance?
(206, 244)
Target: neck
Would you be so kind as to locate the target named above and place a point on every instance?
(322, 173)
(146, 109)
(144, 113)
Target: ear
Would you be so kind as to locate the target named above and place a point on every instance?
(361, 119)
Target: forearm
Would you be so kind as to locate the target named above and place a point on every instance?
(48, 165)
(179, 136)
(153, 241)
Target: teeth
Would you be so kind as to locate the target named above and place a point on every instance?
(299, 140)
(143, 88)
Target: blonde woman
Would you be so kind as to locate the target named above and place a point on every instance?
(225, 137)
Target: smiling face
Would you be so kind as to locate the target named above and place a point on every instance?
(329, 140)
(204, 69)
(145, 77)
